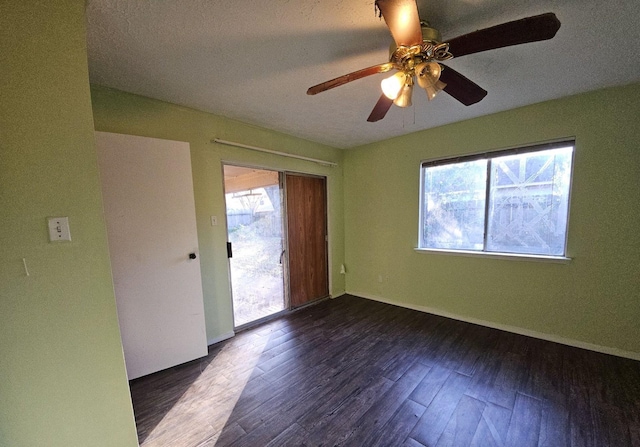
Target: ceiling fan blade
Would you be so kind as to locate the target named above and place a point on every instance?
(380, 68)
(530, 29)
(461, 88)
(402, 19)
(380, 109)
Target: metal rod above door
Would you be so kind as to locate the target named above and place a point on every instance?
(269, 151)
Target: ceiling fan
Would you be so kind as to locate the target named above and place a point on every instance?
(419, 51)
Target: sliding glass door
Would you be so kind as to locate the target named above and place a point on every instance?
(255, 234)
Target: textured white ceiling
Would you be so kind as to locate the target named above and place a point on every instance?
(254, 60)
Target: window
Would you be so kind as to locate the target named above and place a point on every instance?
(512, 201)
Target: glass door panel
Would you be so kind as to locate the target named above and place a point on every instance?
(255, 231)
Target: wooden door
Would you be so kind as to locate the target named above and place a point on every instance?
(153, 243)
(307, 238)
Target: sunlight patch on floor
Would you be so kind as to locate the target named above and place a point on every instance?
(200, 415)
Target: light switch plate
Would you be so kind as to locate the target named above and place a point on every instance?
(59, 229)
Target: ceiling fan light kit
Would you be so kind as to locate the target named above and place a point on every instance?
(417, 53)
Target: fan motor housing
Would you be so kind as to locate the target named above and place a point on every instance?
(428, 35)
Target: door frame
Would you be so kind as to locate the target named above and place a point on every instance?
(282, 174)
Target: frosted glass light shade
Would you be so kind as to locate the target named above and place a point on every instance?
(392, 85)
(404, 98)
(428, 75)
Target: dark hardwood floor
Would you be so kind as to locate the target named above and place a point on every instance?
(355, 372)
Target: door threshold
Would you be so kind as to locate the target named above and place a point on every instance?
(260, 321)
(312, 303)
(282, 313)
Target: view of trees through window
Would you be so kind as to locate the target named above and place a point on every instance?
(455, 197)
(509, 203)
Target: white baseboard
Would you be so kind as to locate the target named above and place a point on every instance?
(220, 338)
(504, 327)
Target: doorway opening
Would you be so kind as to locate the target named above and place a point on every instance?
(255, 231)
(277, 241)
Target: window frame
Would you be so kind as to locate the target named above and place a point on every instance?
(488, 155)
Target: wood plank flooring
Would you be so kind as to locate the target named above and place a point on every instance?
(354, 372)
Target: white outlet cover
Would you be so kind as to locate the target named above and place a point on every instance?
(59, 229)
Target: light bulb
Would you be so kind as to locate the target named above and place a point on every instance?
(392, 85)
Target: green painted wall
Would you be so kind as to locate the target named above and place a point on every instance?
(119, 112)
(63, 381)
(62, 376)
(595, 298)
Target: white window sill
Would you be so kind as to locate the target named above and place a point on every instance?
(496, 255)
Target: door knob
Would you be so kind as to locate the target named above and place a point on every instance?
(192, 255)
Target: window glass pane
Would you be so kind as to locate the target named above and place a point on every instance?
(528, 203)
(454, 205)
